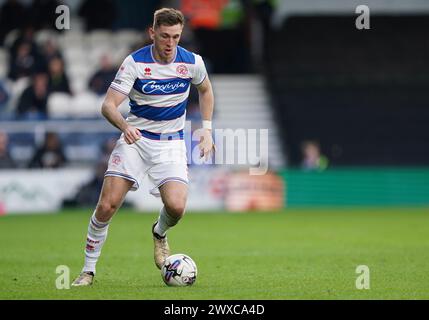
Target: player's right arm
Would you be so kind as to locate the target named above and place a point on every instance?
(116, 94)
(110, 111)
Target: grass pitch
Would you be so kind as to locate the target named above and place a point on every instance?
(294, 254)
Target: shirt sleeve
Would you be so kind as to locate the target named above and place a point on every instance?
(125, 77)
(200, 71)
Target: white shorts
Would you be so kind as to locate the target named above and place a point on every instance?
(160, 160)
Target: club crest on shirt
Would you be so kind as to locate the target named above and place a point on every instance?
(116, 159)
(121, 69)
(182, 70)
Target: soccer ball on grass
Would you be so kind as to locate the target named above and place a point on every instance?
(179, 270)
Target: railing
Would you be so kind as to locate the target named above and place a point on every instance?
(39, 128)
(81, 139)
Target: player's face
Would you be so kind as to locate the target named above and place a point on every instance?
(166, 39)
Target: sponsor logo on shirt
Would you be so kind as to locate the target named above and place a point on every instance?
(171, 87)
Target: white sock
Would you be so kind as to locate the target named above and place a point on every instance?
(165, 222)
(97, 234)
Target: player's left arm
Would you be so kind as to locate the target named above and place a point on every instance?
(206, 99)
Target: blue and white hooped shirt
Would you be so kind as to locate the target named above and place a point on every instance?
(158, 92)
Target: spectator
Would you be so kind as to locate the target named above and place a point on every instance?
(50, 154)
(6, 161)
(24, 63)
(58, 80)
(25, 35)
(50, 50)
(312, 158)
(33, 101)
(101, 80)
(12, 16)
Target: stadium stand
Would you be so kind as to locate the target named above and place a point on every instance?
(361, 94)
(241, 100)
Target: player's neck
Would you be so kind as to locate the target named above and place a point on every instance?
(157, 57)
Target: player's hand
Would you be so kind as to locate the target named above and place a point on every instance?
(131, 134)
(207, 146)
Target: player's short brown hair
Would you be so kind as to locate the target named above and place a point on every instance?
(168, 17)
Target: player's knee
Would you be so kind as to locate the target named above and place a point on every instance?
(176, 208)
(105, 210)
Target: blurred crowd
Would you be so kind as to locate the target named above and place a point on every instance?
(38, 62)
(48, 155)
(43, 68)
(38, 68)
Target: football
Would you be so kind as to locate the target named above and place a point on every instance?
(179, 270)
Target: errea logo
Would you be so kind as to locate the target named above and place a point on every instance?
(147, 71)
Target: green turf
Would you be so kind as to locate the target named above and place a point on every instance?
(295, 254)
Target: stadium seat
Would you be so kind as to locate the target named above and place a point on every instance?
(59, 105)
(126, 38)
(22, 154)
(85, 105)
(76, 23)
(22, 146)
(79, 71)
(124, 107)
(10, 38)
(99, 38)
(7, 110)
(75, 55)
(44, 35)
(82, 153)
(16, 89)
(120, 54)
(78, 85)
(96, 53)
(3, 70)
(71, 39)
(4, 56)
